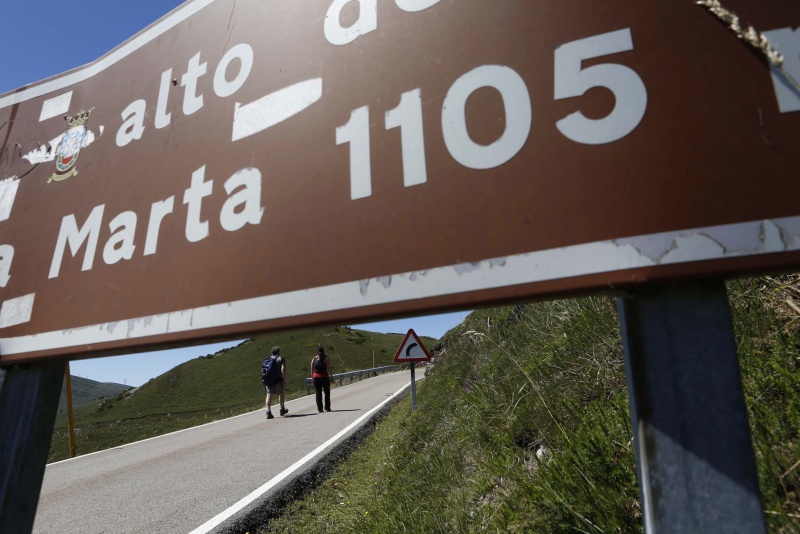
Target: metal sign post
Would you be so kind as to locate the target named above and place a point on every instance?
(697, 471)
(28, 406)
(413, 389)
(412, 350)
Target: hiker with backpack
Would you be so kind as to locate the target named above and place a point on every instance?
(321, 376)
(273, 376)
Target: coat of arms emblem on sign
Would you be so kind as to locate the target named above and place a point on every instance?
(70, 146)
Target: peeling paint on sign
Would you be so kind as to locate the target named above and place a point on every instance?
(55, 106)
(47, 152)
(16, 311)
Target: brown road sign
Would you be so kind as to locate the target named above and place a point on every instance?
(241, 167)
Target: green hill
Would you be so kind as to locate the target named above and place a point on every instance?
(215, 386)
(83, 391)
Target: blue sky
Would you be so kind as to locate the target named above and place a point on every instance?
(43, 40)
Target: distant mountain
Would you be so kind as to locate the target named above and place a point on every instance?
(83, 391)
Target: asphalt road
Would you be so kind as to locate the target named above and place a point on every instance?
(194, 479)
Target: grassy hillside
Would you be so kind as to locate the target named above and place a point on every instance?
(523, 426)
(219, 385)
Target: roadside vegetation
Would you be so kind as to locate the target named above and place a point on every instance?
(523, 426)
(216, 386)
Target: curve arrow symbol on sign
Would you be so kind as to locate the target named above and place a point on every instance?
(412, 349)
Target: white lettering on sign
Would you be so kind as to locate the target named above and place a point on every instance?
(248, 197)
(120, 245)
(787, 41)
(8, 193)
(163, 118)
(6, 257)
(242, 207)
(192, 102)
(571, 80)
(408, 117)
(356, 134)
(196, 229)
(132, 123)
(367, 21)
(158, 211)
(133, 116)
(517, 106)
(70, 233)
(244, 53)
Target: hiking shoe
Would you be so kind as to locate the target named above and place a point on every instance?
(284, 411)
(270, 416)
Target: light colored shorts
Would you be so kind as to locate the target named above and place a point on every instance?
(276, 389)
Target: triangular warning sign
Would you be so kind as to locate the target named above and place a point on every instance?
(412, 349)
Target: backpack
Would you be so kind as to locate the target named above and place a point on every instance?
(319, 366)
(271, 371)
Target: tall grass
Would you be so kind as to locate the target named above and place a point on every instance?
(766, 317)
(523, 426)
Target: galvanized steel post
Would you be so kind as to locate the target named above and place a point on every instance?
(413, 388)
(697, 472)
(28, 406)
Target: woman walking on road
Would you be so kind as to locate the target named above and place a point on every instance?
(321, 375)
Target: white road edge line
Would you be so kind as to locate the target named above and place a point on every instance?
(218, 519)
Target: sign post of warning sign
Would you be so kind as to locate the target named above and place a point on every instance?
(412, 350)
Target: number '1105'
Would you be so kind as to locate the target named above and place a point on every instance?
(570, 81)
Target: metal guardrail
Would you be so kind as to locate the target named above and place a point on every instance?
(352, 375)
